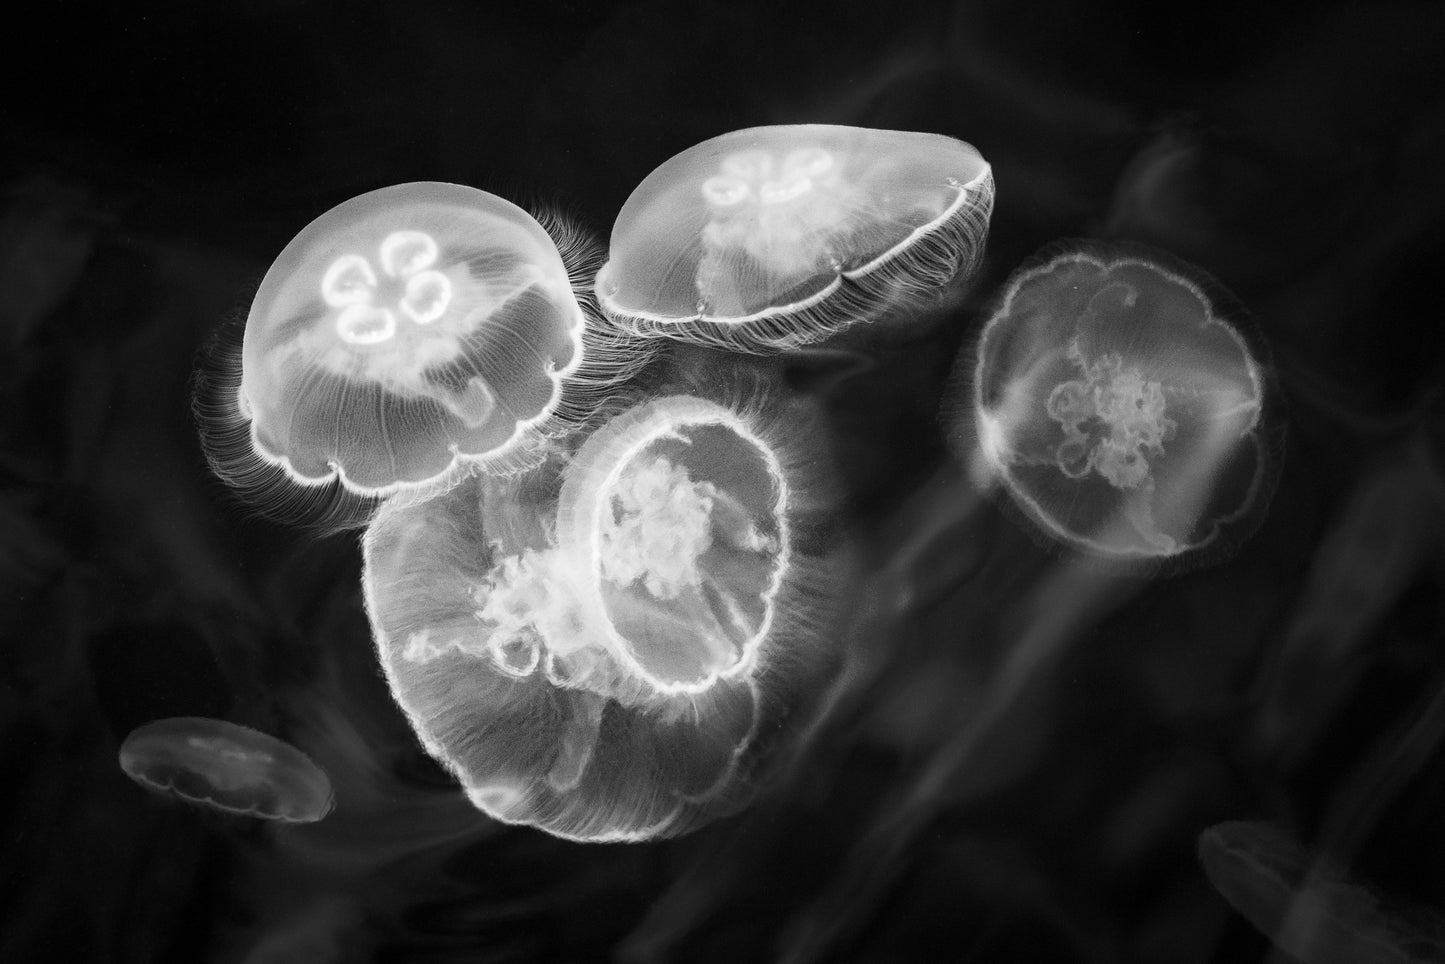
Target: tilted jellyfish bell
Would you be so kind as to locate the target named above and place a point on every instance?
(774, 237)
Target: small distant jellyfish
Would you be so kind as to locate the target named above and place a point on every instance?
(1121, 413)
(621, 676)
(775, 237)
(403, 338)
(228, 768)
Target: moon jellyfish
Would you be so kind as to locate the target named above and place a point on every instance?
(1120, 412)
(1307, 908)
(404, 336)
(228, 768)
(619, 671)
(774, 237)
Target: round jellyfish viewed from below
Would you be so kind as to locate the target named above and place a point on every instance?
(1120, 412)
(227, 767)
(774, 237)
(622, 670)
(675, 513)
(404, 336)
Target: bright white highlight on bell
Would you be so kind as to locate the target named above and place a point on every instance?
(613, 669)
(405, 253)
(428, 294)
(774, 237)
(1122, 415)
(351, 284)
(362, 324)
(349, 281)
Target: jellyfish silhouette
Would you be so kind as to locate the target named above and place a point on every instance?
(228, 768)
(406, 337)
(773, 237)
(622, 670)
(1121, 412)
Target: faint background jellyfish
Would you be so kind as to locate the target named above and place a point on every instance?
(403, 338)
(621, 669)
(774, 237)
(227, 767)
(1307, 906)
(1116, 400)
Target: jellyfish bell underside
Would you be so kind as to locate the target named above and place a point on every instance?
(228, 768)
(676, 512)
(1120, 414)
(774, 237)
(609, 681)
(405, 336)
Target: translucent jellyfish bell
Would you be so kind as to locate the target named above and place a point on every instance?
(228, 768)
(1121, 413)
(619, 677)
(774, 237)
(407, 332)
(676, 513)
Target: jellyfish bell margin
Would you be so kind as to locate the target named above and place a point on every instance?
(541, 674)
(770, 238)
(401, 341)
(1122, 408)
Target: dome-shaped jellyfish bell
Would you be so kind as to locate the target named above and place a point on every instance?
(626, 678)
(1114, 396)
(227, 767)
(773, 237)
(406, 334)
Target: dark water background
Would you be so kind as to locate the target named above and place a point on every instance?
(1021, 754)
